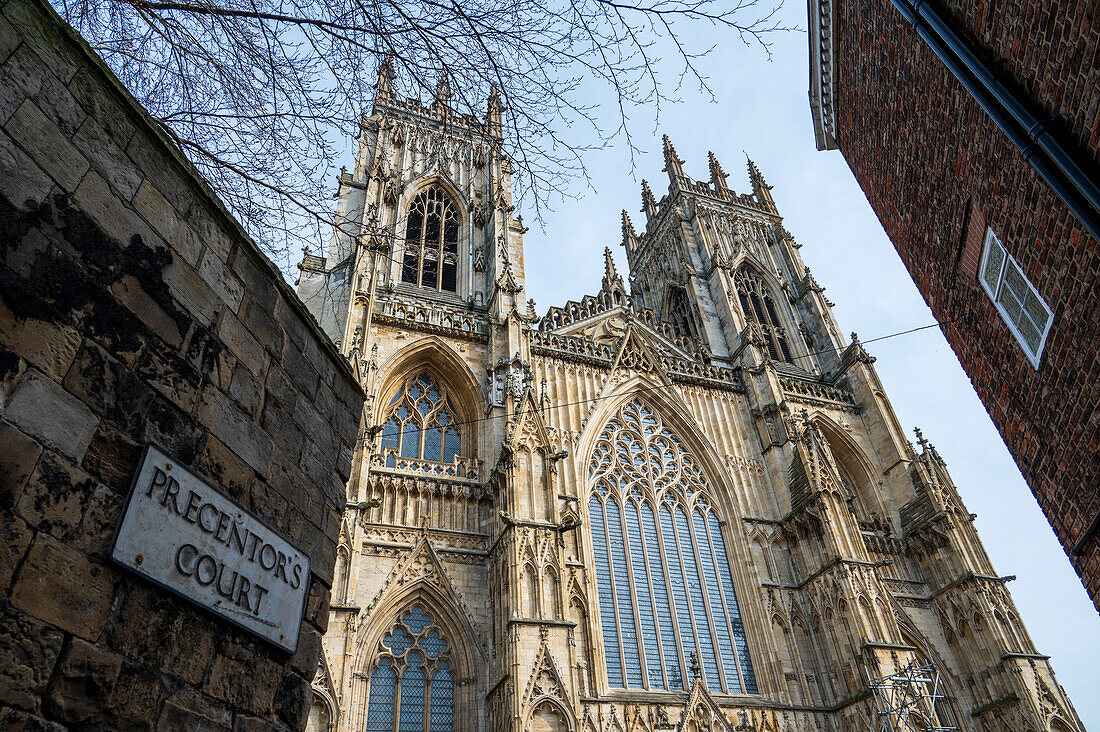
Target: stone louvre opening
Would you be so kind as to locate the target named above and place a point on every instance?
(135, 310)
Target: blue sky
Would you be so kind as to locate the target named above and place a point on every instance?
(762, 108)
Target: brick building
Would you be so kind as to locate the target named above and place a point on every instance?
(937, 111)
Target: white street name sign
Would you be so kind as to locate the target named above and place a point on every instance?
(188, 537)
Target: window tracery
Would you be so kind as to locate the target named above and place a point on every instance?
(412, 683)
(420, 423)
(679, 313)
(431, 241)
(758, 306)
(662, 573)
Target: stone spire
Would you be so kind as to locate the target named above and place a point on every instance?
(612, 280)
(630, 238)
(649, 203)
(384, 87)
(494, 116)
(760, 187)
(673, 163)
(443, 90)
(717, 175)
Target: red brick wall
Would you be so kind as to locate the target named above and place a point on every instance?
(932, 163)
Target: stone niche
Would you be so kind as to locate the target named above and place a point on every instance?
(134, 310)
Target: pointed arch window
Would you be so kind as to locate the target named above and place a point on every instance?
(662, 573)
(412, 684)
(420, 423)
(758, 306)
(431, 241)
(679, 313)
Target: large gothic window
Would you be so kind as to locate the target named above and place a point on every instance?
(758, 306)
(431, 241)
(412, 685)
(662, 573)
(420, 423)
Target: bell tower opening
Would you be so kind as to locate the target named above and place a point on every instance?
(431, 241)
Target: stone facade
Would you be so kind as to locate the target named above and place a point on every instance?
(517, 530)
(133, 309)
(938, 171)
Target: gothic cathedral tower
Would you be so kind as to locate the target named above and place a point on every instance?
(688, 505)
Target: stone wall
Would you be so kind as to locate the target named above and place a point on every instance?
(937, 171)
(133, 309)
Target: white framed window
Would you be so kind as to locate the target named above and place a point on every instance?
(1024, 310)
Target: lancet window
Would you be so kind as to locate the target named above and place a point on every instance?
(759, 307)
(420, 423)
(431, 241)
(412, 684)
(679, 313)
(663, 577)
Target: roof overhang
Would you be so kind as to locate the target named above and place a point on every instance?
(822, 106)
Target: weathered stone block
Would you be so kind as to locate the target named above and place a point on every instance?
(242, 723)
(174, 377)
(48, 346)
(85, 677)
(243, 678)
(129, 293)
(246, 391)
(24, 72)
(242, 344)
(41, 31)
(60, 586)
(9, 39)
(188, 711)
(56, 497)
(41, 408)
(18, 456)
(95, 199)
(192, 292)
(102, 103)
(21, 181)
(225, 470)
(279, 386)
(108, 158)
(223, 280)
(241, 435)
(47, 147)
(317, 605)
(164, 633)
(162, 167)
(29, 649)
(15, 538)
(258, 319)
(101, 517)
(309, 648)
(156, 210)
(293, 700)
(258, 278)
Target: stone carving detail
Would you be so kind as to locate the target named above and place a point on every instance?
(510, 376)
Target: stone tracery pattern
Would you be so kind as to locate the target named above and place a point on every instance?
(662, 573)
(431, 241)
(421, 424)
(412, 684)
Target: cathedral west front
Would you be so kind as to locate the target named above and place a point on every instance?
(686, 504)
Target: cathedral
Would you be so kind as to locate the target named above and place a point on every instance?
(684, 504)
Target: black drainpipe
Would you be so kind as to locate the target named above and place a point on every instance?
(1021, 127)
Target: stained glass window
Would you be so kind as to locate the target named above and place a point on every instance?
(412, 685)
(420, 423)
(662, 573)
(431, 241)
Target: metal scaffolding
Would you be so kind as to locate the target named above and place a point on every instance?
(909, 700)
